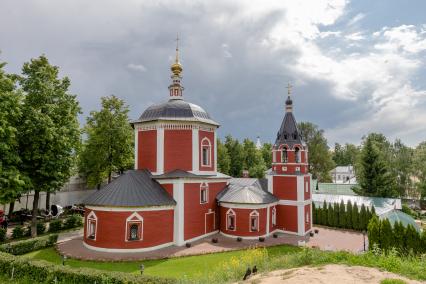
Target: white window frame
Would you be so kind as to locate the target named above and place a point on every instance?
(297, 155)
(254, 214)
(306, 186)
(229, 213)
(92, 218)
(131, 221)
(307, 217)
(274, 216)
(284, 150)
(209, 152)
(204, 187)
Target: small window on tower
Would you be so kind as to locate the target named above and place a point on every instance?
(206, 152)
(230, 220)
(284, 157)
(254, 221)
(297, 154)
(204, 189)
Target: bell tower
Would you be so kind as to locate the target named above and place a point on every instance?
(289, 179)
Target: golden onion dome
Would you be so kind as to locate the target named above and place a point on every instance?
(176, 68)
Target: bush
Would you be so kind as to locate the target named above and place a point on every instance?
(17, 232)
(41, 228)
(239, 239)
(73, 221)
(45, 272)
(2, 235)
(26, 246)
(55, 226)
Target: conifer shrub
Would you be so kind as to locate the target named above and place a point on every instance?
(41, 228)
(26, 246)
(17, 232)
(55, 226)
(2, 235)
(73, 221)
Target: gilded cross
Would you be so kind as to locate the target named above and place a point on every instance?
(289, 86)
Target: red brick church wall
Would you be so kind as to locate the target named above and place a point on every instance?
(177, 150)
(147, 150)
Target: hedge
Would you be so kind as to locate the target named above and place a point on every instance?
(73, 221)
(2, 235)
(55, 226)
(40, 271)
(26, 246)
(18, 232)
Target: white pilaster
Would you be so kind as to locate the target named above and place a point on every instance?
(301, 220)
(160, 150)
(300, 188)
(270, 179)
(268, 218)
(195, 150)
(178, 195)
(136, 147)
(215, 151)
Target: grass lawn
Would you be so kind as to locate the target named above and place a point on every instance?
(189, 266)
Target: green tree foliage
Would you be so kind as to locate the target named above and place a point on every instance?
(374, 232)
(320, 159)
(336, 210)
(330, 215)
(398, 235)
(342, 215)
(386, 235)
(253, 159)
(401, 167)
(223, 159)
(355, 217)
(412, 239)
(373, 174)
(345, 155)
(324, 214)
(49, 129)
(266, 151)
(12, 181)
(348, 214)
(419, 168)
(236, 153)
(314, 214)
(109, 144)
(363, 218)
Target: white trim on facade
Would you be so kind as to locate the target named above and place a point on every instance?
(301, 220)
(136, 148)
(193, 180)
(179, 225)
(215, 151)
(294, 203)
(204, 186)
(268, 219)
(160, 150)
(127, 250)
(195, 150)
(126, 209)
(246, 206)
(200, 237)
(274, 216)
(300, 188)
(244, 237)
(270, 179)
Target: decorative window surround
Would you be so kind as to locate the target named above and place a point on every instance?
(231, 220)
(204, 193)
(92, 226)
(134, 220)
(206, 152)
(254, 221)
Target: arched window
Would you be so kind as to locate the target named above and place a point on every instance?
(204, 193)
(91, 229)
(134, 227)
(254, 221)
(297, 154)
(274, 216)
(284, 155)
(231, 224)
(206, 154)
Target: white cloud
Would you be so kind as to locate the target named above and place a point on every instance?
(136, 67)
(355, 36)
(358, 17)
(405, 38)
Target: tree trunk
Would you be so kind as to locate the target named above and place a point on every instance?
(11, 207)
(98, 186)
(109, 176)
(34, 217)
(48, 202)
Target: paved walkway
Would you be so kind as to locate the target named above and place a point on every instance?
(71, 245)
(74, 248)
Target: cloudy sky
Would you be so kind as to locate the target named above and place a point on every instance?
(356, 66)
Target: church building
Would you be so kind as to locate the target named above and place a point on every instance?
(175, 195)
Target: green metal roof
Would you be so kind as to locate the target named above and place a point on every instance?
(332, 188)
(396, 215)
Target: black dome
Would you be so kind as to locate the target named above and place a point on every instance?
(176, 109)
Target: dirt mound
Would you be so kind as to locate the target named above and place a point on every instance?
(340, 274)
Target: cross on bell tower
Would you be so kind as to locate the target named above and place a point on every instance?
(289, 102)
(176, 89)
